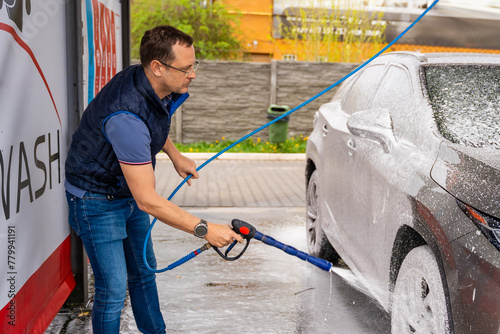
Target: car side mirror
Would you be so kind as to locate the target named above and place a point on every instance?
(373, 124)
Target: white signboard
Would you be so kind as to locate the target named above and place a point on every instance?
(35, 266)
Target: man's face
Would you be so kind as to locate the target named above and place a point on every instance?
(175, 80)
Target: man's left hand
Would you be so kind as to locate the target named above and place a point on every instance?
(184, 167)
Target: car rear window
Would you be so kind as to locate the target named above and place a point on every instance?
(466, 103)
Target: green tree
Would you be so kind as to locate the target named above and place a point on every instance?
(214, 29)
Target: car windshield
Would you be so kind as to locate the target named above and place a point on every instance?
(466, 103)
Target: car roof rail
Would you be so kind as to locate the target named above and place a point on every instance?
(421, 57)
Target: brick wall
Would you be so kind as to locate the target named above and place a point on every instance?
(230, 99)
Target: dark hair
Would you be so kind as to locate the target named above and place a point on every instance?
(157, 44)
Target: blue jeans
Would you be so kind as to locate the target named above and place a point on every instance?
(113, 234)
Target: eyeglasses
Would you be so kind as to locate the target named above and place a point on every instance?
(188, 72)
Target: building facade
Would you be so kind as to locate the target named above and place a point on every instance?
(451, 26)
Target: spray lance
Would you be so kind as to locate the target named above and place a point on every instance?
(248, 232)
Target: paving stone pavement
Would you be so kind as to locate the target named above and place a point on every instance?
(238, 182)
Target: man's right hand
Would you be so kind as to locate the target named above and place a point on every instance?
(221, 235)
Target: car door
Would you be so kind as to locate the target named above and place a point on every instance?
(382, 178)
(337, 158)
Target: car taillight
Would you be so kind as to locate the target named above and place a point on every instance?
(490, 226)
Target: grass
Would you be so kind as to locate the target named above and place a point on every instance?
(291, 145)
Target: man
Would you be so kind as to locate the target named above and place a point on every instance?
(110, 181)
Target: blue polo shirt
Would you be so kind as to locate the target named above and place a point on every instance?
(130, 139)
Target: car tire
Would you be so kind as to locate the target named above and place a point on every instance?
(419, 301)
(317, 243)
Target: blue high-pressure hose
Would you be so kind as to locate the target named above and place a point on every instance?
(193, 254)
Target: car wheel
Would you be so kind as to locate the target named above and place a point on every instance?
(419, 301)
(317, 243)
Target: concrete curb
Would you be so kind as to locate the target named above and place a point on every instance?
(241, 156)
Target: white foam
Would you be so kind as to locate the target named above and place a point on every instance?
(358, 283)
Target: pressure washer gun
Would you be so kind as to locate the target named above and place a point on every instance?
(249, 232)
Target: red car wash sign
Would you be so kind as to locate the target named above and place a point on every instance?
(102, 44)
(35, 266)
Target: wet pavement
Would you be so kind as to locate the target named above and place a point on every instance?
(266, 290)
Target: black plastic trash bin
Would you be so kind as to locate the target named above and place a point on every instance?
(278, 131)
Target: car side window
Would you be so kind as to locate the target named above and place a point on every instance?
(396, 95)
(362, 91)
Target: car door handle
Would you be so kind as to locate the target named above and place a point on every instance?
(325, 130)
(351, 144)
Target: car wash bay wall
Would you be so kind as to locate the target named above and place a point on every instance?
(231, 99)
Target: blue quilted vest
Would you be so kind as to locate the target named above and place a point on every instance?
(91, 163)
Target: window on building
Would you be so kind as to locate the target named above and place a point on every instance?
(290, 57)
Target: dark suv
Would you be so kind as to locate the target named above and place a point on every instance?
(403, 184)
